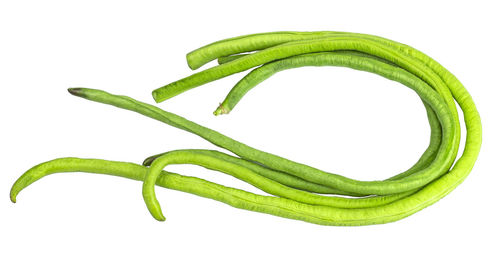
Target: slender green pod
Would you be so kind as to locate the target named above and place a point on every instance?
(346, 59)
(299, 191)
(278, 45)
(199, 157)
(275, 162)
(273, 52)
(282, 207)
(443, 184)
(283, 178)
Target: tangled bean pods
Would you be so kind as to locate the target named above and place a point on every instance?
(297, 190)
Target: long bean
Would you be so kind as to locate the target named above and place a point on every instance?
(283, 178)
(296, 188)
(282, 207)
(265, 184)
(441, 184)
(283, 50)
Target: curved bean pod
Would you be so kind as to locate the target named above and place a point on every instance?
(298, 187)
(426, 196)
(444, 157)
(282, 50)
(213, 162)
(283, 178)
(339, 58)
(271, 161)
(280, 45)
(282, 207)
(231, 196)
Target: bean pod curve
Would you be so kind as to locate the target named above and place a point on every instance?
(296, 190)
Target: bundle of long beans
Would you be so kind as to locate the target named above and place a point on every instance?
(297, 191)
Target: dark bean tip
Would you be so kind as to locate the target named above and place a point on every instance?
(148, 161)
(13, 197)
(76, 91)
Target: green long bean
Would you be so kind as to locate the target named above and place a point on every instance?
(296, 188)
(277, 206)
(284, 50)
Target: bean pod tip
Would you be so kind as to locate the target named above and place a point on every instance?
(221, 110)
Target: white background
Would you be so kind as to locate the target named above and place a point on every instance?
(348, 122)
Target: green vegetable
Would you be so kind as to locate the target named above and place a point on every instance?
(238, 198)
(296, 187)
